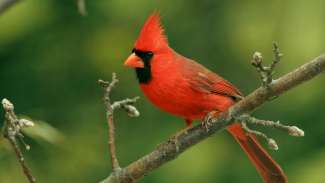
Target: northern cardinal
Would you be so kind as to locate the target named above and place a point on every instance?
(183, 87)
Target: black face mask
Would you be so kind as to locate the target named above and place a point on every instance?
(144, 74)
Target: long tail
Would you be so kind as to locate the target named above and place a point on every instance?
(269, 170)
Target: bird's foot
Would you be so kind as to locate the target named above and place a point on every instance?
(208, 119)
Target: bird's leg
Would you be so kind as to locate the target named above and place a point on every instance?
(184, 130)
(188, 126)
(207, 120)
(188, 123)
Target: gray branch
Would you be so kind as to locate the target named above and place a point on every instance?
(247, 119)
(12, 129)
(81, 4)
(6, 4)
(127, 105)
(169, 150)
(266, 72)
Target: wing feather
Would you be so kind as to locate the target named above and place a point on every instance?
(203, 80)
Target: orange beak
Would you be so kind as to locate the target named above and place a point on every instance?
(134, 61)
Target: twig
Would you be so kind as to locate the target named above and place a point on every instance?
(266, 72)
(271, 142)
(291, 130)
(167, 150)
(277, 56)
(127, 105)
(6, 4)
(109, 114)
(11, 130)
(82, 7)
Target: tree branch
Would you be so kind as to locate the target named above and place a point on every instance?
(81, 4)
(127, 105)
(6, 4)
(169, 150)
(11, 130)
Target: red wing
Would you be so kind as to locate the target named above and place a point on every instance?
(203, 80)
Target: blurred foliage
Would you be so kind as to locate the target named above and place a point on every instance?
(51, 58)
(42, 131)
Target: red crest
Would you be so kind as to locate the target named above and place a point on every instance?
(152, 37)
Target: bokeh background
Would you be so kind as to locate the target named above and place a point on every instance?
(51, 58)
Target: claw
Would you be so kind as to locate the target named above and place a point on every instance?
(208, 120)
(206, 123)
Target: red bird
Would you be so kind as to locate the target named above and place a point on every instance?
(183, 87)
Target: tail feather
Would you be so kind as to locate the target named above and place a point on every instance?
(269, 170)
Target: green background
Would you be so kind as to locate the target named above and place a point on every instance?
(51, 58)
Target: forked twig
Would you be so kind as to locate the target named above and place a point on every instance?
(266, 72)
(126, 104)
(11, 130)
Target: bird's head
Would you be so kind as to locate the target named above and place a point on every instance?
(150, 44)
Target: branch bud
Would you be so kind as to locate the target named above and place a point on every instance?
(295, 131)
(7, 105)
(257, 58)
(132, 111)
(25, 123)
(272, 144)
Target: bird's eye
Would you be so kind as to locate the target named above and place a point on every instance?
(133, 50)
(149, 53)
